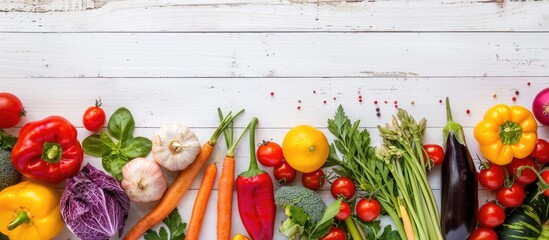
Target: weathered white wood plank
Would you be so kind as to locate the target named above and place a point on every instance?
(273, 55)
(154, 102)
(271, 15)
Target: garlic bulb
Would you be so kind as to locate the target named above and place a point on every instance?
(143, 180)
(175, 147)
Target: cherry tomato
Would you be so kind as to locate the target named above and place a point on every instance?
(314, 180)
(343, 187)
(344, 211)
(269, 154)
(492, 177)
(284, 173)
(11, 110)
(335, 234)
(545, 176)
(368, 210)
(435, 152)
(94, 117)
(527, 176)
(491, 215)
(483, 234)
(541, 151)
(511, 196)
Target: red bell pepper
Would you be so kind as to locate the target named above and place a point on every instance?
(48, 150)
(255, 193)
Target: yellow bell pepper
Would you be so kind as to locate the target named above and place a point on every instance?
(506, 132)
(30, 210)
(240, 237)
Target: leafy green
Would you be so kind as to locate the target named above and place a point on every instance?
(374, 232)
(175, 226)
(121, 124)
(116, 153)
(322, 227)
(4, 237)
(7, 141)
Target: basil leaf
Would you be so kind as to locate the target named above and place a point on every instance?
(121, 124)
(323, 225)
(93, 146)
(113, 164)
(105, 139)
(138, 147)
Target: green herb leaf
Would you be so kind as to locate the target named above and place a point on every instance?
(113, 164)
(7, 141)
(138, 147)
(175, 226)
(121, 124)
(94, 146)
(106, 139)
(323, 225)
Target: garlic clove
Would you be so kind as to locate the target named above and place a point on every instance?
(143, 180)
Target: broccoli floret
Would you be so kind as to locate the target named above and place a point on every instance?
(8, 174)
(303, 198)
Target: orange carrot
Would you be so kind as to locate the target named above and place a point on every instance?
(225, 199)
(225, 185)
(180, 185)
(201, 202)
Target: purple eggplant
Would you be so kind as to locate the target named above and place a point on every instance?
(459, 183)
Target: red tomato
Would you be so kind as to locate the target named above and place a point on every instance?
(344, 211)
(511, 196)
(368, 210)
(94, 117)
(491, 215)
(435, 152)
(527, 176)
(541, 152)
(545, 176)
(343, 187)
(284, 173)
(314, 180)
(335, 234)
(492, 178)
(11, 110)
(483, 234)
(269, 154)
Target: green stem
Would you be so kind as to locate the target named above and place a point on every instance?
(352, 228)
(253, 170)
(52, 152)
(230, 152)
(510, 132)
(226, 134)
(222, 126)
(395, 217)
(21, 218)
(448, 111)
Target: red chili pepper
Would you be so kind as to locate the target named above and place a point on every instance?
(255, 193)
(48, 150)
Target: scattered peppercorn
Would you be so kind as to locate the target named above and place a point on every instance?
(468, 111)
(298, 107)
(514, 99)
(529, 83)
(359, 96)
(377, 109)
(440, 101)
(314, 91)
(359, 100)
(334, 98)
(395, 102)
(378, 114)
(517, 92)
(272, 93)
(494, 95)
(413, 102)
(375, 102)
(324, 101)
(396, 106)
(385, 101)
(299, 101)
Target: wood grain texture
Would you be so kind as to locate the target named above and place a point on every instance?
(273, 55)
(271, 15)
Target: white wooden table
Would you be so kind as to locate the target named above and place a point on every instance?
(177, 61)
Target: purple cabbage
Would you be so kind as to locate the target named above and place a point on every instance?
(94, 205)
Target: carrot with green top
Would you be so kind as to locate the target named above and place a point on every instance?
(226, 185)
(180, 185)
